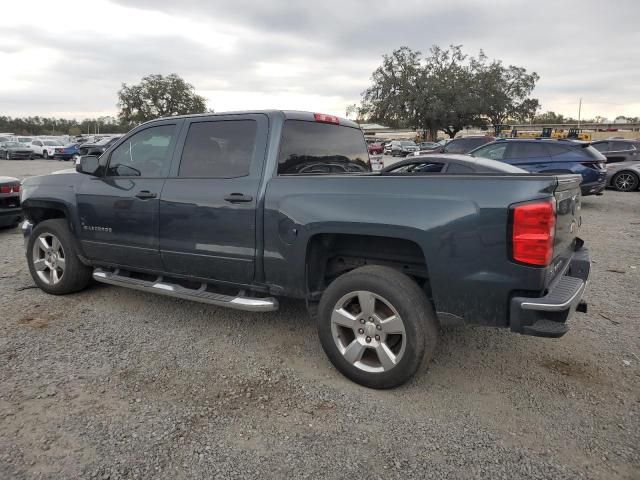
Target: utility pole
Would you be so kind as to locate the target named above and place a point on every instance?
(579, 111)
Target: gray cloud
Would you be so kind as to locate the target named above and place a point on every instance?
(579, 48)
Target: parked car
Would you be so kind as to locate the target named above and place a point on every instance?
(45, 148)
(624, 176)
(551, 156)
(14, 151)
(451, 163)
(97, 148)
(387, 148)
(462, 144)
(10, 211)
(402, 148)
(428, 145)
(66, 152)
(618, 150)
(222, 214)
(375, 148)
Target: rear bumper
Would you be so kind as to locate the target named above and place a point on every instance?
(593, 188)
(547, 316)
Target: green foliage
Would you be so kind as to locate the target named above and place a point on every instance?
(447, 90)
(158, 96)
(60, 126)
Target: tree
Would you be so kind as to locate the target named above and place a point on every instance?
(158, 96)
(447, 90)
(503, 91)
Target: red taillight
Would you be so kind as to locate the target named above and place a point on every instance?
(10, 188)
(533, 232)
(322, 118)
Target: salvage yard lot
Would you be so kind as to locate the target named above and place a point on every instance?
(114, 383)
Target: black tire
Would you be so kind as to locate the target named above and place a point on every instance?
(409, 300)
(45, 155)
(76, 275)
(7, 156)
(628, 187)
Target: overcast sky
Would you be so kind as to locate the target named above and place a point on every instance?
(68, 58)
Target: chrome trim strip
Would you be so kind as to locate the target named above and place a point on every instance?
(554, 307)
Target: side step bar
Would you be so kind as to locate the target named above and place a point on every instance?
(266, 304)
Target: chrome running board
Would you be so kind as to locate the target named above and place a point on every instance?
(239, 302)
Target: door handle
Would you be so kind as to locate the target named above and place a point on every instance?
(238, 198)
(145, 195)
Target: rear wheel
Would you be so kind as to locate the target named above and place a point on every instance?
(375, 325)
(625, 181)
(53, 260)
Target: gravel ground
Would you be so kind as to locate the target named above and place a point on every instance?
(112, 383)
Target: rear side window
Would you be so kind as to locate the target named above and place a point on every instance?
(458, 168)
(320, 148)
(563, 153)
(221, 149)
(464, 145)
(527, 150)
(601, 146)
(620, 146)
(494, 151)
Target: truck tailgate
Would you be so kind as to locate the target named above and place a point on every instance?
(568, 221)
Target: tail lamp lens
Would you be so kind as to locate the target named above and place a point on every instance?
(533, 232)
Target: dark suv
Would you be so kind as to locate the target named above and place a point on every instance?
(551, 156)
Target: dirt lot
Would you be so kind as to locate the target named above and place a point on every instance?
(113, 383)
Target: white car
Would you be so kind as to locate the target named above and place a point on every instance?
(45, 148)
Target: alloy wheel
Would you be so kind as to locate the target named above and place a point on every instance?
(368, 331)
(48, 258)
(625, 182)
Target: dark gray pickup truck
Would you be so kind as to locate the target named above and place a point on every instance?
(238, 209)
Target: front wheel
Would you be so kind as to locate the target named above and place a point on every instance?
(625, 181)
(45, 154)
(7, 156)
(53, 259)
(375, 325)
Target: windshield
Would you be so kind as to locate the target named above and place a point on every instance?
(12, 144)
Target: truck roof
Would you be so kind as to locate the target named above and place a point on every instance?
(286, 114)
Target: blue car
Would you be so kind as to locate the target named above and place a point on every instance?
(67, 152)
(551, 156)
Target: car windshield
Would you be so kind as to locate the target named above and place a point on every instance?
(12, 144)
(52, 143)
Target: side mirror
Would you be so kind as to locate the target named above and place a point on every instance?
(87, 164)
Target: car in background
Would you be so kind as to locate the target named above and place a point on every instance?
(544, 155)
(25, 140)
(428, 145)
(10, 211)
(451, 163)
(45, 148)
(624, 176)
(617, 150)
(97, 148)
(387, 148)
(462, 144)
(375, 148)
(15, 151)
(67, 152)
(403, 148)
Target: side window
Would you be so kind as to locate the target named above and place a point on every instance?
(527, 150)
(455, 146)
(601, 146)
(621, 146)
(459, 168)
(494, 152)
(221, 149)
(145, 154)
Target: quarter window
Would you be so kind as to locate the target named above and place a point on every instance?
(221, 149)
(144, 154)
(527, 150)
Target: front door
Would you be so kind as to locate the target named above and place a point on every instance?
(208, 204)
(118, 210)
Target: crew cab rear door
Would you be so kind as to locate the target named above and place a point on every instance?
(208, 204)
